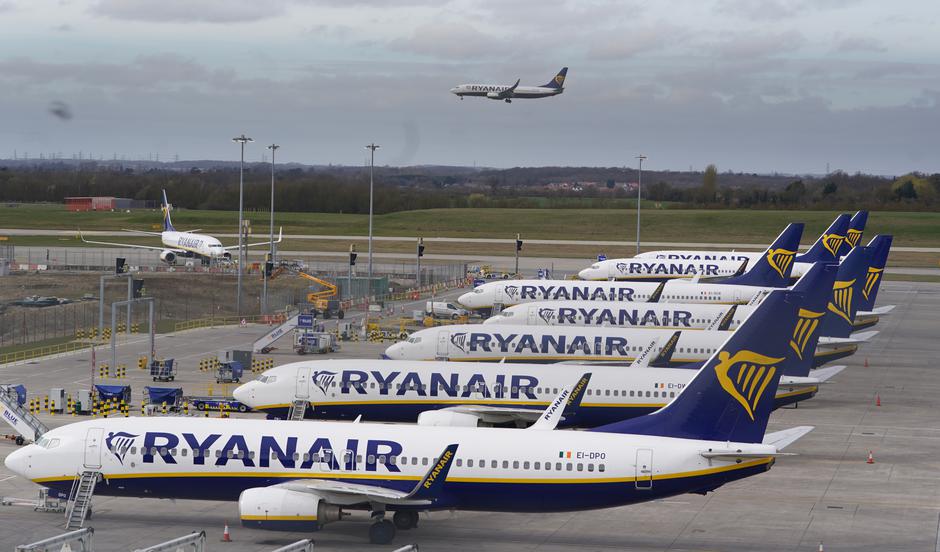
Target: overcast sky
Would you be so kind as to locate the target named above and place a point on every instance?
(777, 85)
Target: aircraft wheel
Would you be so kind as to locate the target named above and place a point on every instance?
(20, 440)
(405, 519)
(341, 315)
(242, 408)
(382, 532)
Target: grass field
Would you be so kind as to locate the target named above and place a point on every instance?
(725, 226)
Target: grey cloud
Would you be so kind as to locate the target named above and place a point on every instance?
(187, 11)
(772, 10)
(758, 45)
(451, 40)
(628, 42)
(860, 44)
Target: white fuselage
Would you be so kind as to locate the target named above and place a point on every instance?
(676, 316)
(495, 91)
(200, 245)
(751, 257)
(216, 459)
(381, 390)
(658, 269)
(466, 342)
(514, 292)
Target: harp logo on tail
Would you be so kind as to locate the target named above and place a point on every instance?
(874, 274)
(745, 376)
(780, 260)
(806, 324)
(832, 243)
(852, 237)
(841, 303)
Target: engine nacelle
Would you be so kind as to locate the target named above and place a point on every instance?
(227, 256)
(168, 256)
(447, 418)
(278, 509)
(493, 95)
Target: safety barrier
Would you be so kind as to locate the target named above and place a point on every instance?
(80, 540)
(220, 321)
(27, 354)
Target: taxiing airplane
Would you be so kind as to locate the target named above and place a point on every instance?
(771, 268)
(187, 244)
(829, 247)
(507, 92)
(474, 393)
(299, 476)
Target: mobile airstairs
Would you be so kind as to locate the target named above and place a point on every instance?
(265, 342)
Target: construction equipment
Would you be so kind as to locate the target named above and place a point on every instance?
(322, 302)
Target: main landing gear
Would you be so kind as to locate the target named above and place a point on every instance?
(405, 519)
(507, 100)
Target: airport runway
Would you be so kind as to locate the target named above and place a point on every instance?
(828, 493)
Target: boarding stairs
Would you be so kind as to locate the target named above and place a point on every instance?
(263, 344)
(80, 499)
(297, 410)
(21, 420)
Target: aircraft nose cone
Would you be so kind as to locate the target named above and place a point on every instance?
(394, 352)
(494, 320)
(16, 462)
(586, 274)
(466, 299)
(245, 394)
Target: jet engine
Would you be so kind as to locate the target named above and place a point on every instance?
(447, 418)
(168, 256)
(493, 95)
(227, 256)
(279, 509)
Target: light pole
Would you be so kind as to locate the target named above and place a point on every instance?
(371, 147)
(242, 140)
(639, 188)
(264, 296)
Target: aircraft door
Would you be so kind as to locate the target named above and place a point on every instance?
(499, 299)
(533, 316)
(644, 469)
(443, 344)
(94, 441)
(303, 383)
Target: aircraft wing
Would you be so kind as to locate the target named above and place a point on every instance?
(133, 246)
(509, 91)
(425, 492)
(880, 311)
(141, 232)
(856, 338)
(496, 414)
(280, 236)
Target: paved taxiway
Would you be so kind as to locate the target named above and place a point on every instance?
(827, 493)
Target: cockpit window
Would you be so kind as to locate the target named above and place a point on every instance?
(477, 290)
(414, 340)
(47, 443)
(507, 314)
(595, 266)
(267, 379)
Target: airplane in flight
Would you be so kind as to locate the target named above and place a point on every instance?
(188, 244)
(300, 476)
(841, 236)
(476, 394)
(771, 268)
(689, 316)
(506, 93)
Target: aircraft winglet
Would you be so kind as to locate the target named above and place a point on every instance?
(664, 357)
(431, 484)
(565, 404)
(654, 297)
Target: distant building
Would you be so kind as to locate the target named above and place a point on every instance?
(105, 203)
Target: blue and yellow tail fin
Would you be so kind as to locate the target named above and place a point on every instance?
(846, 293)
(731, 397)
(853, 236)
(558, 81)
(773, 268)
(165, 207)
(816, 285)
(827, 247)
(880, 246)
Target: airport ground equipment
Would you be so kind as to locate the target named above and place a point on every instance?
(237, 355)
(310, 342)
(305, 545)
(57, 400)
(265, 343)
(172, 397)
(76, 541)
(216, 403)
(163, 370)
(298, 409)
(443, 309)
(79, 507)
(193, 542)
(229, 372)
(28, 426)
(82, 404)
(323, 301)
(116, 393)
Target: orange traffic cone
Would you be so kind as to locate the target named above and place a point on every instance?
(225, 535)
(821, 549)
(871, 458)
(866, 362)
(877, 400)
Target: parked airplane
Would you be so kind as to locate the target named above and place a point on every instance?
(770, 268)
(684, 316)
(508, 92)
(187, 244)
(474, 393)
(829, 247)
(297, 476)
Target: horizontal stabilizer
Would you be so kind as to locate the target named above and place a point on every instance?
(855, 338)
(880, 311)
(783, 439)
(825, 374)
(732, 454)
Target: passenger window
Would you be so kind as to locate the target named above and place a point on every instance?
(607, 392)
(505, 464)
(494, 464)
(370, 459)
(600, 468)
(133, 450)
(647, 393)
(469, 463)
(218, 454)
(525, 465)
(590, 467)
(162, 451)
(558, 466)
(515, 464)
(306, 457)
(424, 461)
(459, 462)
(297, 456)
(404, 460)
(569, 466)
(381, 459)
(580, 466)
(414, 460)
(537, 465)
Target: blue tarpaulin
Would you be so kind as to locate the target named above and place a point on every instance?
(108, 392)
(168, 395)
